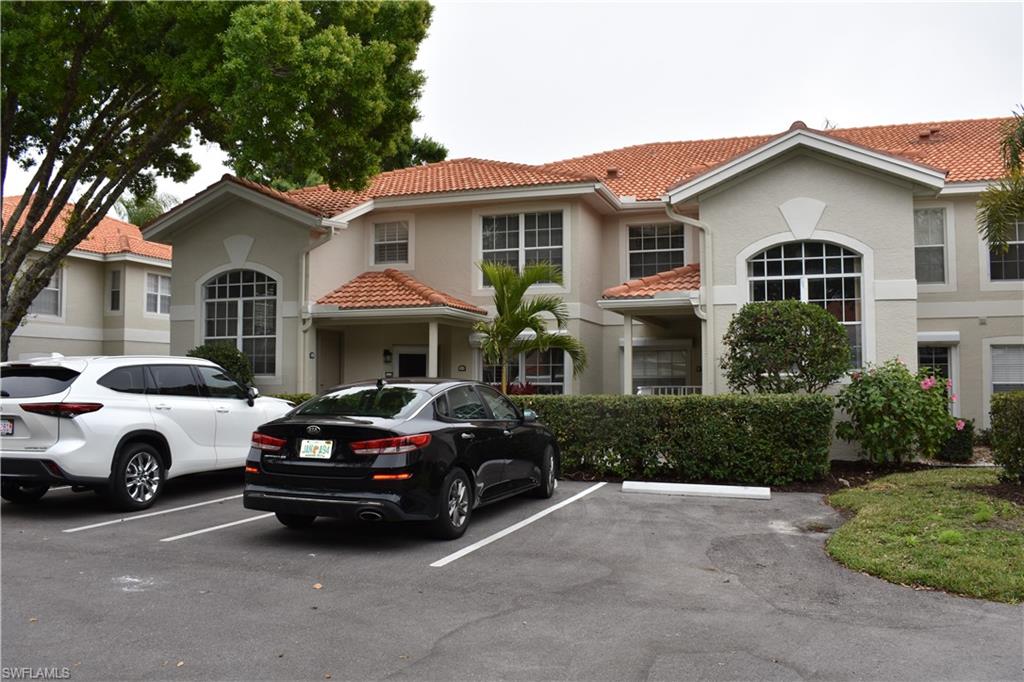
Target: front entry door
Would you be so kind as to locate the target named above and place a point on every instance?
(412, 364)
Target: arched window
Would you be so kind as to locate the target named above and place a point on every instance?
(241, 310)
(813, 272)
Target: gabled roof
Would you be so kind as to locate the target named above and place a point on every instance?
(685, 278)
(392, 289)
(968, 150)
(111, 236)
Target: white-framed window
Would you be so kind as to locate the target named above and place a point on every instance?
(1007, 368)
(240, 309)
(48, 301)
(821, 273)
(1008, 265)
(158, 294)
(660, 367)
(521, 239)
(541, 371)
(930, 245)
(655, 247)
(114, 291)
(391, 243)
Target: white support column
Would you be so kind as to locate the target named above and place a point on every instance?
(432, 349)
(569, 376)
(627, 354)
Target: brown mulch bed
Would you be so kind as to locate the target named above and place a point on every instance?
(1005, 491)
(848, 475)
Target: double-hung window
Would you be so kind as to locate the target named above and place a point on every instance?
(1007, 368)
(930, 245)
(521, 239)
(114, 296)
(391, 243)
(1009, 265)
(47, 301)
(654, 248)
(824, 274)
(158, 294)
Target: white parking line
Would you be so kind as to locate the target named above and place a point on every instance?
(213, 528)
(156, 513)
(513, 528)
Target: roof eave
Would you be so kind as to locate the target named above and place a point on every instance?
(329, 311)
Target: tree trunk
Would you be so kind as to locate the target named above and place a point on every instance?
(504, 376)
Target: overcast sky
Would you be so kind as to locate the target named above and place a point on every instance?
(539, 82)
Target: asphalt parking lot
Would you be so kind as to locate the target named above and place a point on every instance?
(610, 586)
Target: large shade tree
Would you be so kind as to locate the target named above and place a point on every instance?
(1001, 206)
(97, 99)
(519, 324)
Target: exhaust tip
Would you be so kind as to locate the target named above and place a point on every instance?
(370, 515)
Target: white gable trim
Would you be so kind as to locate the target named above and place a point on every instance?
(891, 165)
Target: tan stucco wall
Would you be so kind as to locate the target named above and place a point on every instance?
(85, 327)
(874, 211)
(201, 252)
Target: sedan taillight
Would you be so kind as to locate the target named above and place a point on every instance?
(390, 446)
(67, 410)
(262, 441)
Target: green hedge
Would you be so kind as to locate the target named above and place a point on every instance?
(755, 439)
(1008, 434)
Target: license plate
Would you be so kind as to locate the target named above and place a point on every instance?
(316, 449)
(6, 427)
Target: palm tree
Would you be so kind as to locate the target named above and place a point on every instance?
(140, 210)
(1002, 205)
(503, 335)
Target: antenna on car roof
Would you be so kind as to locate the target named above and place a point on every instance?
(380, 384)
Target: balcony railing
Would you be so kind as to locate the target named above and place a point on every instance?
(668, 390)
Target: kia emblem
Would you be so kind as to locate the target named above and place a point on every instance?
(313, 430)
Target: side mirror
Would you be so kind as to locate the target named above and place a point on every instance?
(252, 394)
(529, 416)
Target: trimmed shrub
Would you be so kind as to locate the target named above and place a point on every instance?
(894, 414)
(784, 347)
(228, 357)
(297, 398)
(1008, 434)
(754, 440)
(959, 447)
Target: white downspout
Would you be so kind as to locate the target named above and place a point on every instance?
(708, 373)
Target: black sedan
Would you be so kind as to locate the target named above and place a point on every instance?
(402, 450)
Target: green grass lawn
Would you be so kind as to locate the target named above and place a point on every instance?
(928, 528)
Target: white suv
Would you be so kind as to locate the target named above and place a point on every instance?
(121, 425)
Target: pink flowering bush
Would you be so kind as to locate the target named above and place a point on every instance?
(894, 414)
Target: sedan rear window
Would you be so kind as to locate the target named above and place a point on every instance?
(390, 402)
(29, 382)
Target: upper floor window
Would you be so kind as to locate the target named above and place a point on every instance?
(47, 301)
(1009, 265)
(240, 309)
(391, 243)
(824, 274)
(158, 294)
(114, 298)
(930, 245)
(520, 239)
(655, 248)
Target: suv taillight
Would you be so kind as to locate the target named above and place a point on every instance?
(262, 441)
(67, 410)
(390, 446)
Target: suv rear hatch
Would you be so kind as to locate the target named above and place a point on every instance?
(25, 383)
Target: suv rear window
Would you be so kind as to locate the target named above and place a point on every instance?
(125, 379)
(29, 382)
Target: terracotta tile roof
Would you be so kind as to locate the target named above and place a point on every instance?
(685, 278)
(968, 150)
(391, 289)
(446, 176)
(110, 236)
